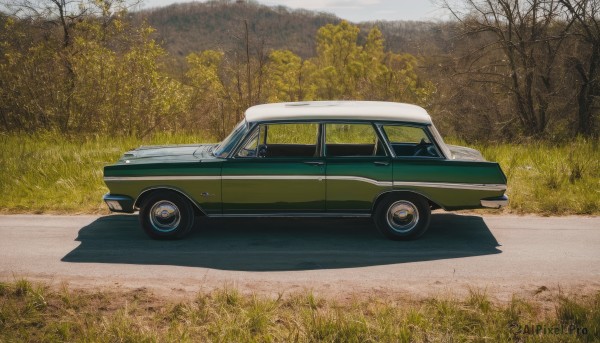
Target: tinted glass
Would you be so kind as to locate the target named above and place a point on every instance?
(352, 140)
(410, 141)
(282, 140)
(292, 133)
(405, 134)
(229, 142)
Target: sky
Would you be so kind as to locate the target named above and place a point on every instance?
(352, 10)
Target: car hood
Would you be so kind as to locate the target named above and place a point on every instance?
(464, 153)
(168, 153)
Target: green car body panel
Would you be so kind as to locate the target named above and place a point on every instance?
(289, 186)
(354, 183)
(254, 186)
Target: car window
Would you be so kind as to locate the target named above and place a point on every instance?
(410, 141)
(250, 148)
(282, 140)
(405, 134)
(352, 140)
(228, 143)
(304, 133)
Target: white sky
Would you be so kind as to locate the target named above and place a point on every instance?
(353, 10)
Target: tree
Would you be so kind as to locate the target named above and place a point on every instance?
(338, 61)
(586, 15)
(287, 77)
(347, 70)
(519, 43)
(101, 75)
(211, 98)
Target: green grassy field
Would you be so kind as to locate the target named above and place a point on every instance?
(36, 313)
(550, 179)
(51, 174)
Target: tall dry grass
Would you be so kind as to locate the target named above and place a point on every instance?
(35, 313)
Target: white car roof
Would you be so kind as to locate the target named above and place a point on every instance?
(340, 110)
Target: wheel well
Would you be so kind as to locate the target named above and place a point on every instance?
(146, 193)
(397, 193)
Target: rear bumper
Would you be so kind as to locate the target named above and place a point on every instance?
(497, 202)
(118, 203)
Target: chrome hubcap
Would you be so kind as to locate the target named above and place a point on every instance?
(402, 216)
(164, 216)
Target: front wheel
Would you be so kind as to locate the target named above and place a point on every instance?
(403, 217)
(166, 215)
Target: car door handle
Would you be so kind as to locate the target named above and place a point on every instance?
(381, 163)
(315, 163)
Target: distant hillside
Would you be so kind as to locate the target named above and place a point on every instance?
(189, 27)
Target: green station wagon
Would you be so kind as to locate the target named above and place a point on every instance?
(308, 159)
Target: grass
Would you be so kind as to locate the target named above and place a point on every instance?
(550, 179)
(51, 174)
(35, 312)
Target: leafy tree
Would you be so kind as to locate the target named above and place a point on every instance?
(287, 77)
(212, 101)
(97, 73)
(338, 62)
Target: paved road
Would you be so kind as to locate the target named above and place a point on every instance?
(503, 254)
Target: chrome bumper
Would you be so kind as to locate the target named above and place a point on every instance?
(118, 203)
(498, 202)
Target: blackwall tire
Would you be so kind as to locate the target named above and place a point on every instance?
(403, 217)
(166, 215)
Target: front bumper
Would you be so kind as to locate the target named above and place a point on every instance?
(498, 202)
(118, 203)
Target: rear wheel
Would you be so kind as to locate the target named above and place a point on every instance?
(166, 215)
(403, 217)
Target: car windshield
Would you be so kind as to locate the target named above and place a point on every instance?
(229, 142)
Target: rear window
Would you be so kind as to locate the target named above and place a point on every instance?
(410, 141)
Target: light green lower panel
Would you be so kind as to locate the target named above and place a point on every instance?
(453, 199)
(273, 195)
(206, 193)
(349, 196)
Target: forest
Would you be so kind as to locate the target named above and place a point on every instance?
(500, 71)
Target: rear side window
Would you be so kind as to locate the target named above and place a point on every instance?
(410, 141)
(345, 140)
(405, 134)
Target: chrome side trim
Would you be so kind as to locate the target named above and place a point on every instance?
(251, 177)
(160, 178)
(495, 202)
(274, 177)
(469, 186)
(308, 177)
(292, 215)
(361, 179)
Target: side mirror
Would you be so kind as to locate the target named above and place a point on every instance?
(262, 150)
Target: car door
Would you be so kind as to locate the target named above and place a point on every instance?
(358, 167)
(277, 170)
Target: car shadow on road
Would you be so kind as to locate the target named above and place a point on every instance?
(277, 244)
